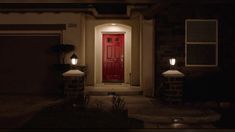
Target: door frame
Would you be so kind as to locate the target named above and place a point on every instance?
(113, 81)
(97, 50)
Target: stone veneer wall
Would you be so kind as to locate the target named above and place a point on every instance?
(170, 38)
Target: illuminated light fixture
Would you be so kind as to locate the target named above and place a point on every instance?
(178, 120)
(172, 61)
(178, 125)
(113, 24)
(74, 59)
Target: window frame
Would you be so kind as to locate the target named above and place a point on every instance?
(201, 43)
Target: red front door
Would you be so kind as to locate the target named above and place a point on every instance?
(113, 57)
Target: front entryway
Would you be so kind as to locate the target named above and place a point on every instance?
(113, 58)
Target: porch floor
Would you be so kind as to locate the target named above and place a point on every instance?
(113, 88)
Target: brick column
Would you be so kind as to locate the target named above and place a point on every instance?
(173, 86)
(74, 86)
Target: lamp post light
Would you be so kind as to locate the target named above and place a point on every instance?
(172, 62)
(74, 59)
(173, 80)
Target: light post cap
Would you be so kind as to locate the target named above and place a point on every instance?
(73, 73)
(172, 73)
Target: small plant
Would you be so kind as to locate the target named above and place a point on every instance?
(119, 105)
(86, 99)
(99, 105)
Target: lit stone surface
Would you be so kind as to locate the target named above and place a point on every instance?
(173, 73)
(73, 73)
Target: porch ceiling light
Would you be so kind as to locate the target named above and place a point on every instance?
(74, 59)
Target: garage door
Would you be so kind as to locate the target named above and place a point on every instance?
(26, 64)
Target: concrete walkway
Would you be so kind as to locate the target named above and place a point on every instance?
(15, 110)
(158, 115)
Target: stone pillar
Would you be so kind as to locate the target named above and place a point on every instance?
(74, 86)
(172, 90)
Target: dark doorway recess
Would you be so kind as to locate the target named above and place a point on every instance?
(27, 64)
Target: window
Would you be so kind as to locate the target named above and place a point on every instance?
(201, 42)
(109, 40)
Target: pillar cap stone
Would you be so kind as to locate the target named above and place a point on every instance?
(172, 73)
(73, 73)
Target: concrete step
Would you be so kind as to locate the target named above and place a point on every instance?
(121, 90)
(121, 93)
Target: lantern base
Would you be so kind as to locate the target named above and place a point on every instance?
(73, 67)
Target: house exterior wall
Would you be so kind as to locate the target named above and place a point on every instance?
(147, 82)
(72, 35)
(80, 31)
(170, 37)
